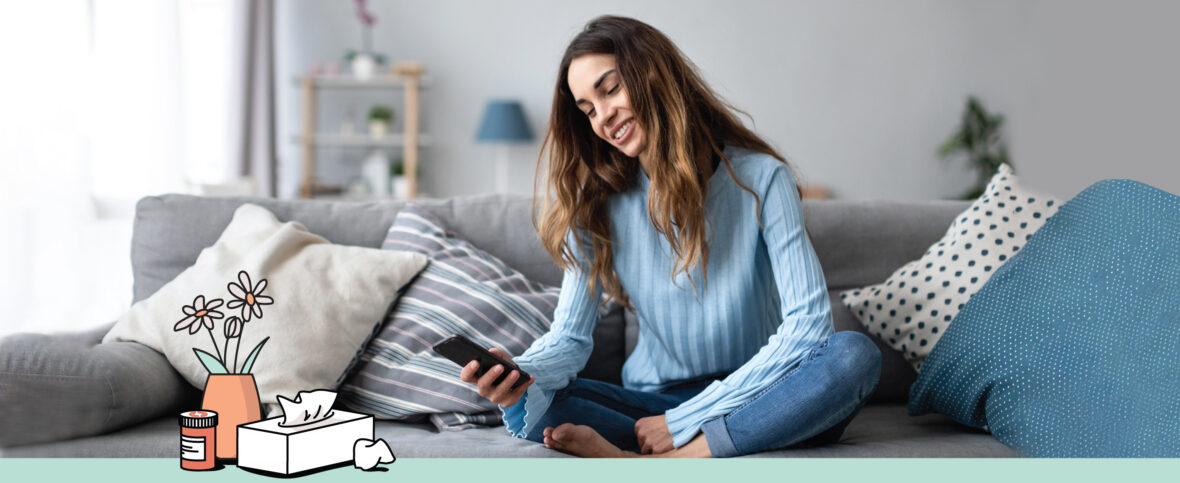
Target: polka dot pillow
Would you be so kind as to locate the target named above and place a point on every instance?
(914, 306)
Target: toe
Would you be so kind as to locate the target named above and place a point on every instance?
(559, 433)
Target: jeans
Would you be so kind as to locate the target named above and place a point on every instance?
(808, 406)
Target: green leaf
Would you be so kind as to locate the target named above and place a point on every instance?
(951, 145)
(253, 355)
(211, 363)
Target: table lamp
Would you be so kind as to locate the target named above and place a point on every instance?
(503, 123)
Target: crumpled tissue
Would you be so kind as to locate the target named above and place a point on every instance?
(367, 454)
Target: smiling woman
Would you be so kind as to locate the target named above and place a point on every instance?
(736, 353)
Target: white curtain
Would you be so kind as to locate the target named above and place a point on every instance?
(104, 101)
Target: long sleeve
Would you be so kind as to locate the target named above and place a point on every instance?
(555, 358)
(805, 307)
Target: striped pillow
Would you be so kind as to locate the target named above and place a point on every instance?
(463, 290)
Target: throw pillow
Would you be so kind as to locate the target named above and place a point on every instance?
(913, 307)
(318, 304)
(464, 290)
(1072, 349)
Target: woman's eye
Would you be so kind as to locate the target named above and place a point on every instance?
(589, 113)
(612, 91)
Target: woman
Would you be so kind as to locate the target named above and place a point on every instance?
(695, 222)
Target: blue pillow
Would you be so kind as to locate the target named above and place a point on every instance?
(1072, 349)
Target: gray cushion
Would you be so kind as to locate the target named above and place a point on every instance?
(56, 387)
(862, 242)
(171, 230)
(880, 430)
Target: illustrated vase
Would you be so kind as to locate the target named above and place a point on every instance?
(234, 397)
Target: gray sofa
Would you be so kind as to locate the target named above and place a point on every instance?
(69, 396)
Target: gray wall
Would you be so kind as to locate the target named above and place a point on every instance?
(858, 93)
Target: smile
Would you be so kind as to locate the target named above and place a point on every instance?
(619, 134)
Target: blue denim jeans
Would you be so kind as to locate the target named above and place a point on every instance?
(808, 406)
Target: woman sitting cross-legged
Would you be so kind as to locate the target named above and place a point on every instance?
(665, 201)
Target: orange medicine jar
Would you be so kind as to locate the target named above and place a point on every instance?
(198, 440)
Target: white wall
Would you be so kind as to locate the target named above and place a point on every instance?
(858, 93)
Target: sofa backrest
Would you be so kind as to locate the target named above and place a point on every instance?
(858, 242)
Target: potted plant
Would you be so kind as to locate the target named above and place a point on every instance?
(399, 184)
(230, 390)
(380, 119)
(364, 63)
(978, 139)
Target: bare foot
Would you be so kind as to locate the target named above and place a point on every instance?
(582, 441)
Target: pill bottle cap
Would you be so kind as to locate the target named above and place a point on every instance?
(198, 419)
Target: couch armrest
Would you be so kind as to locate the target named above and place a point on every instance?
(63, 386)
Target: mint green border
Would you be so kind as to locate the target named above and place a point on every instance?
(614, 471)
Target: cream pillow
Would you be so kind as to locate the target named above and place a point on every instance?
(319, 304)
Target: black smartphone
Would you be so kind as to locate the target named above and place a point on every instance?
(462, 350)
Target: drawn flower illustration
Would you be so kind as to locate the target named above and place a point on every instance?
(248, 297)
(232, 328)
(199, 315)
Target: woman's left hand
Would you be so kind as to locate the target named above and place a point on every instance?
(652, 433)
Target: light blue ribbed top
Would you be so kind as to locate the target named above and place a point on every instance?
(764, 306)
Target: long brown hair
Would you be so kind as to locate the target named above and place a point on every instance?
(685, 124)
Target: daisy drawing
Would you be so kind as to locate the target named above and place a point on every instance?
(202, 315)
(248, 297)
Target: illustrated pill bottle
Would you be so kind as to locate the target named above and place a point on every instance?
(198, 440)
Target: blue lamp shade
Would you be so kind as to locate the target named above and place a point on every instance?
(504, 121)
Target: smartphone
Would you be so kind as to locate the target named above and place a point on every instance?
(462, 350)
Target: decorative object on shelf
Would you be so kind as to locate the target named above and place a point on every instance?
(230, 390)
(503, 123)
(397, 179)
(979, 139)
(356, 188)
(815, 192)
(375, 170)
(380, 120)
(348, 125)
(364, 63)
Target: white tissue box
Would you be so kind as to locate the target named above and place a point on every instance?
(266, 446)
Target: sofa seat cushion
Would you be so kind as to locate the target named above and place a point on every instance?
(880, 430)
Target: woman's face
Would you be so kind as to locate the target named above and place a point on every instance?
(599, 93)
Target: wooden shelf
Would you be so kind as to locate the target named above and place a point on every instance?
(393, 140)
(407, 76)
(347, 81)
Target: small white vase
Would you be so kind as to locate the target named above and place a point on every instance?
(375, 170)
(363, 66)
(401, 187)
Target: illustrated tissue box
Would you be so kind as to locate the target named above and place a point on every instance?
(309, 435)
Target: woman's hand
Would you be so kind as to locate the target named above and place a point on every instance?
(652, 433)
(503, 394)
